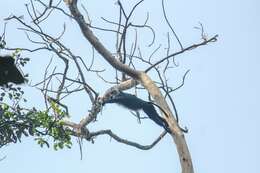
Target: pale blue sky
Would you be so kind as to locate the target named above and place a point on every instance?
(219, 102)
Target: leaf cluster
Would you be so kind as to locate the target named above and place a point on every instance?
(18, 123)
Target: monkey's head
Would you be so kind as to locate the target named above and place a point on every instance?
(109, 95)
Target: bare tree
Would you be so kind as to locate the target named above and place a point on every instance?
(126, 62)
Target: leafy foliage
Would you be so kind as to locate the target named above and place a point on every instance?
(17, 122)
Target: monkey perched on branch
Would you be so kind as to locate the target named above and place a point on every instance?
(9, 72)
(134, 103)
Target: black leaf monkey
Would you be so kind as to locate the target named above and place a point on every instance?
(134, 103)
(9, 72)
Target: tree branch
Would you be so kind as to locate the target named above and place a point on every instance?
(177, 135)
(94, 41)
(125, 141)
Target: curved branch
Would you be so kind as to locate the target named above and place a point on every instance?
(170, 26)
(204, 42)
(125, 141)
